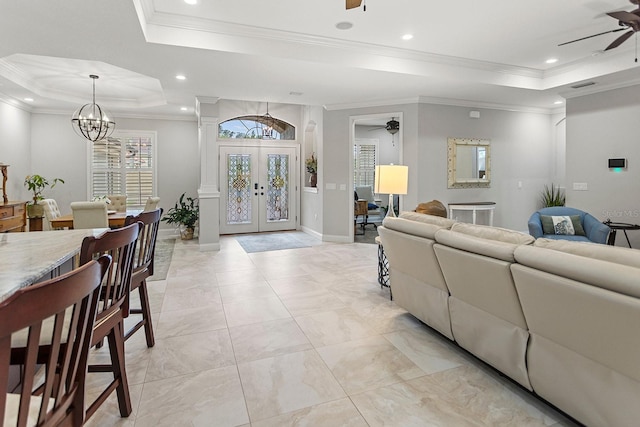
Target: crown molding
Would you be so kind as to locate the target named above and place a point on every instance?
(598, 88)
(444, 101)
(117, 116)
(13, 102)
(162, 27)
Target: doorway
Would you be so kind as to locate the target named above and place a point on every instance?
(388, 150)
(258, 188)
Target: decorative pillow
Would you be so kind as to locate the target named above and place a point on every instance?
(371, 206)
(563, 225)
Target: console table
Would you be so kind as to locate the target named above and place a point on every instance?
(13, 216)
(473, 207)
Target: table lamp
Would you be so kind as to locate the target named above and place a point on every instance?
(391, 179)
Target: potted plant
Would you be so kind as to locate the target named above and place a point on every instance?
(553, 196)
(36, 184)
(312, 168)
(185, 214)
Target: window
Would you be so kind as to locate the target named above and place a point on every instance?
(256, 127)
(365, 158)
(124, 164)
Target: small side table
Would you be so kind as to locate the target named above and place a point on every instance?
(383, 268)
(359, 209)
(615, 226)
(35, 224)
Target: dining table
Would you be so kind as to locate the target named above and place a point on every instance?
(28, 258)
(116, 219)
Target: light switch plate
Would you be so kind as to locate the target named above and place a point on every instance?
(580, 186)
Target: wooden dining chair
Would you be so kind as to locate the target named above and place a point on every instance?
(61, 313)
(113, 308)
(143, 268)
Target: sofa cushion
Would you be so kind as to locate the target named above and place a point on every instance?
(493, 242)
(493, 233)
(415, 228)
(552, 224)
(606, 271)
(616, 254)
(428, 219)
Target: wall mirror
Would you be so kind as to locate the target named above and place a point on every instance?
(468, 163)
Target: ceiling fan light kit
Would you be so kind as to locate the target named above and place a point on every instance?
(91, 121)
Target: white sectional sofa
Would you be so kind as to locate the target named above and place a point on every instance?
(560, 318)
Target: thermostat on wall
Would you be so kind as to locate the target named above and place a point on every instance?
(617, 163)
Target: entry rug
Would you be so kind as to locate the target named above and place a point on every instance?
(264, 242)
(162, 257)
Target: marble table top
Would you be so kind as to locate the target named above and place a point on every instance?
(26, 257)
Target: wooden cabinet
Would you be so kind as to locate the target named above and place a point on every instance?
(13, 216)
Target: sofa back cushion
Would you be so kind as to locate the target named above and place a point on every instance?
(493, 242)
(618, 255)
(428, 219)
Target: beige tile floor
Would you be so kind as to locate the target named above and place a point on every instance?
(301, 337)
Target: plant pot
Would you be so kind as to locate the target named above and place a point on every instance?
(313, 180)
(186, 233)
(35, 211)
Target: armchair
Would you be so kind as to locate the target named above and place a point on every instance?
(594, 230)
(373, 206)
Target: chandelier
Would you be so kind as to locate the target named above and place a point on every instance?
(92, 121)
(267, 122)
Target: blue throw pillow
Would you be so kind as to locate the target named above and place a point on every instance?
(371, 206)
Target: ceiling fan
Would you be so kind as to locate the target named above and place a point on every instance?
(352, 4)
(627, 21)
(392, 126)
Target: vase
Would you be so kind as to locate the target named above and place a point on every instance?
(313, 180)
(35, 211)
(186, 233)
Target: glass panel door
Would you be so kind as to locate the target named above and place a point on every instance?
(257, 186)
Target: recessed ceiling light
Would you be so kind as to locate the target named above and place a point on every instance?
(183, 108)
(29, 99)
(551, 60)
(558, 102)
(344, 25)
(407, 37)
(181, 77)
(191, 2)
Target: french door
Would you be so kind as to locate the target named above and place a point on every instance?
(258, 188)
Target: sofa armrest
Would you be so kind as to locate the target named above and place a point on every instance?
(596, 231)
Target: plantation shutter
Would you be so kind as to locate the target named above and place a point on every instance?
(124, 165)
(365, 158)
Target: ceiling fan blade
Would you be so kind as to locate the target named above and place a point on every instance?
(594, 35)
(617, 42)
(352, 4)
(625, 17)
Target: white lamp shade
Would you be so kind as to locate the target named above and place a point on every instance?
(391, 179)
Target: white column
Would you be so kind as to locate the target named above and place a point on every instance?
(208, 192)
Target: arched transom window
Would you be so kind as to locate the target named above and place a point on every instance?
(256, 127)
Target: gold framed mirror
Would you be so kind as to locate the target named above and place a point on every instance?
(468, 163)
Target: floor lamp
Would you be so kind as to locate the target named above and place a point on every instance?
(391, 179)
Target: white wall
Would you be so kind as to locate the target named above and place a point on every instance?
(337, 210)
(15, 136)
(599, 127)
(311, 217)
(57, 152)
(523, 150)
